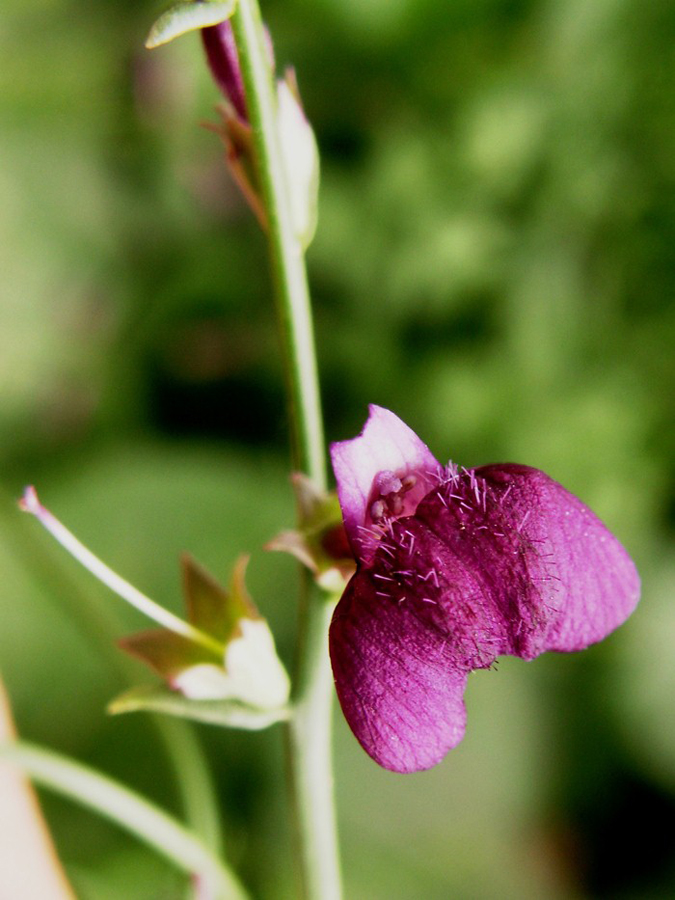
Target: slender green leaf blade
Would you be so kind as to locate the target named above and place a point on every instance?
(184, 17)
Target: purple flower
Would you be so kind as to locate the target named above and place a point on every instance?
(455, 567)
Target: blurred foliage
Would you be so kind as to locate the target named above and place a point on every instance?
(493, 262)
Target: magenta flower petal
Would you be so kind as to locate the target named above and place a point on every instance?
(397, 682)
(386, 450)
(495, 560)
(554, 577)
(582, 582)
(223, 59)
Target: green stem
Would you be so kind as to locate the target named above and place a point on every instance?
(193, 776)
(309, 742)
(288, 265)
(309, 736)
(30, 504)
(132, 812)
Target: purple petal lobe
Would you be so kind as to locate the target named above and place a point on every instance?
(397, 683)
(553, 576)
(221, 53)
(372, 468)
(583, 584)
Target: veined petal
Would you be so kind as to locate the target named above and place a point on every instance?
(386, 445)
(256, 673)
(204, 681)
(584, 581)
(397, 679)
(554, 576)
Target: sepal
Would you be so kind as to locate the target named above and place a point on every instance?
(229, 714)
(237, 138)
(167, 653)
(320, 542)
(209, 606)
(238, 664)
(300, 155)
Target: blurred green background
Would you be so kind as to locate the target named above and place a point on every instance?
(494, 262)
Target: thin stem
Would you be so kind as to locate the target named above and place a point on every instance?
(133, 812)
(309, 735)
(309, 743)
(195, 780)
(30, 504)
(288, 265)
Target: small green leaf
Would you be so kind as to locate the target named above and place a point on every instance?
(227, 713)
(184, 17)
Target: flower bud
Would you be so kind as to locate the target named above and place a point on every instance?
(223, 59)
